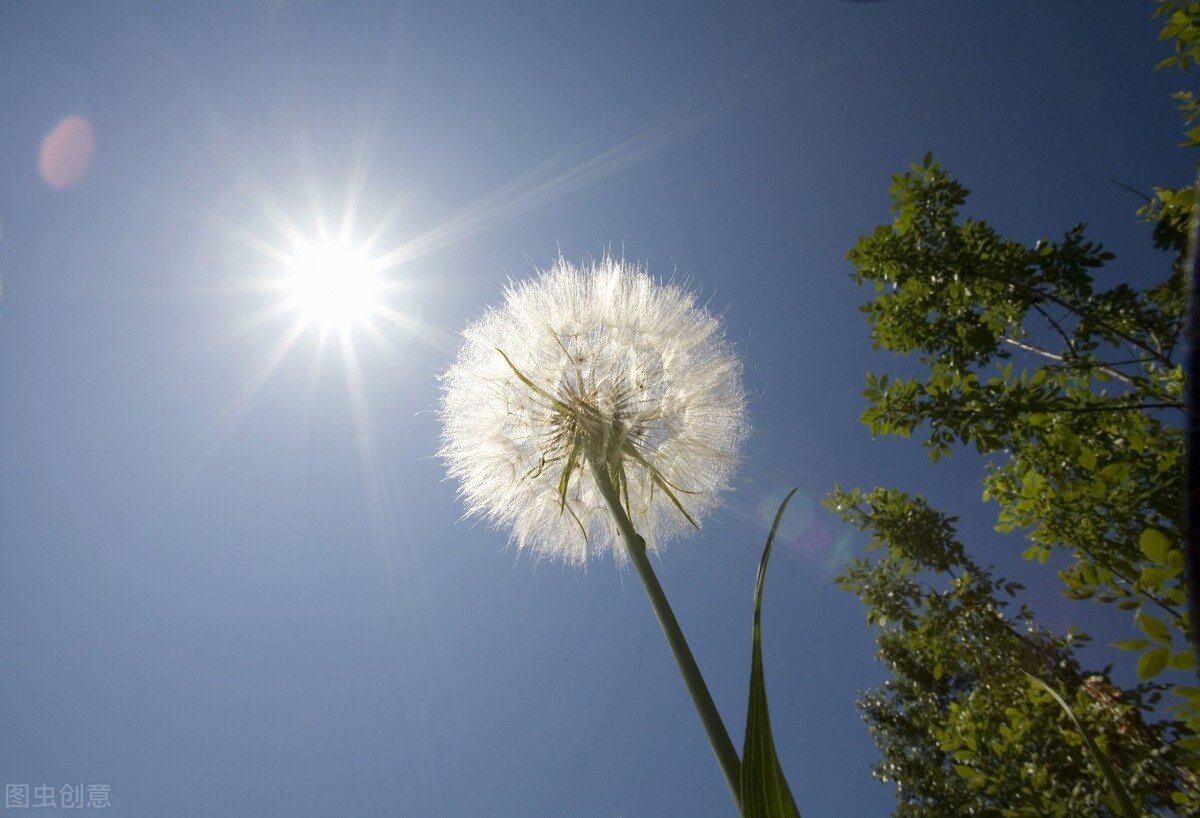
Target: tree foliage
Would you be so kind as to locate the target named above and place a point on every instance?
(1072, 391)
(1084, 452)
(960, 728)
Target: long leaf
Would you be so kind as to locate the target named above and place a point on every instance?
(1106, 768)
(765, 792)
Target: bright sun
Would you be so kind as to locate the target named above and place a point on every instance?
(332, 284)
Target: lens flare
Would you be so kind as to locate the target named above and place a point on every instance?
(67, 152)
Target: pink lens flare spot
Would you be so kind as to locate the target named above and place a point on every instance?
(67, 152)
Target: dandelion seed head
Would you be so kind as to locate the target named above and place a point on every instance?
(580, 361)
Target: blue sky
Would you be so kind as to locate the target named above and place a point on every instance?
(233, 580)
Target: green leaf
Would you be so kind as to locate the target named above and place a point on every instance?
(1154, 628)
(765, 792)
(971, 775)
(1154, 544)
(1175, 561)
(1153, 576)
(1184, 660)
(1153, 662)
(1130, 644)
(1087, 457)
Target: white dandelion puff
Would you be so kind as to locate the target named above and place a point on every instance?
(586, 368)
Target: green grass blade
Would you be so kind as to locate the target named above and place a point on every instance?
(765, 792)
(1106, 768)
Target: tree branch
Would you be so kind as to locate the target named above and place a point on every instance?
(1116, 374)
(1076, 311)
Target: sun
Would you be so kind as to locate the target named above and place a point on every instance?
(332, 284)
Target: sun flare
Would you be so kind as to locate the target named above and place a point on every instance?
(332, 284)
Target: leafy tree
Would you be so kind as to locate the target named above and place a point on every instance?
(1082, 454)
(1073, 393)
(961, 729)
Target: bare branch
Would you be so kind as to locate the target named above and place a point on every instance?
(1116, 374)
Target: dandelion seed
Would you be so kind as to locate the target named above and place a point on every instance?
(585, 368)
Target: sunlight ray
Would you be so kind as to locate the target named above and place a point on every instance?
(576, 170)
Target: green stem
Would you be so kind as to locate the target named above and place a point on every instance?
(718, 736)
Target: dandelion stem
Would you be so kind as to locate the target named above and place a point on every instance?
(718, 736)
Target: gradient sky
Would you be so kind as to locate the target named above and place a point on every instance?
(233, 579)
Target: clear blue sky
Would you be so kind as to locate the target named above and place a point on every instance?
(233, 580)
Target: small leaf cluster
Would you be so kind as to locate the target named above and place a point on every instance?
(960, 728)
(1181, 24)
